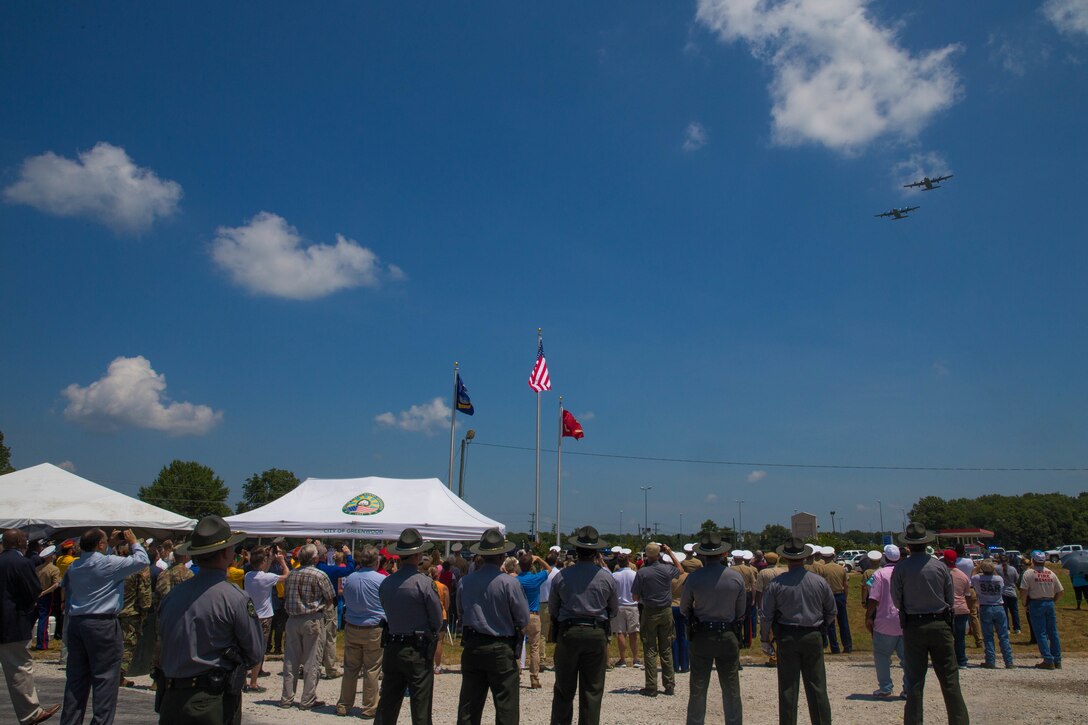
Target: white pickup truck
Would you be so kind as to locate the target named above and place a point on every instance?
(1055, 555)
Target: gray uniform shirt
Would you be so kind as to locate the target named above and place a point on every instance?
(713, 593)
(921, 585)
(492, 602)
(583, 591)
(410, 601)
(653, 584)
(200, 618)
(798, 598)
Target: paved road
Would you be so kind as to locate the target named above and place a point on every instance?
(135, 705)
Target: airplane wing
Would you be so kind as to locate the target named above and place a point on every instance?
(887, 213)
(916, 183)
(909, 209)
(943, 178)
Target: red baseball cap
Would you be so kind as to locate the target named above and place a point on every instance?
(949, 556)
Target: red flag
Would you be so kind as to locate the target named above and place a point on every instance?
(571, 427)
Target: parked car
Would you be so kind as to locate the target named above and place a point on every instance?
(854, 563)
(1014, 556)
(1055, 555)
(847, 556)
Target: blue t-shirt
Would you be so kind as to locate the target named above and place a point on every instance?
(531, 584)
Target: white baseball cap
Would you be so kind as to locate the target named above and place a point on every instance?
(891, 553)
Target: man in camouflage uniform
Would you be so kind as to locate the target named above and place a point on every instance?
(137, 604)
(170, 578)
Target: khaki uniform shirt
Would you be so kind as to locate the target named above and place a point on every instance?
(48, 575)
(583, 591)
(1040, 583)
(410, 601)
(766, 576)
(749, 574)
(493, 602)
(714, 593)
(835, 575)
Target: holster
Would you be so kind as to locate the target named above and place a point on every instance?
(385, 633)
(159, 679)
(738, 630)
(519, 642)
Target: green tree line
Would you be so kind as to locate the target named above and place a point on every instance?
(1025, 522)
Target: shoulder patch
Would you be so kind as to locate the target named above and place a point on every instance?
(250, 608)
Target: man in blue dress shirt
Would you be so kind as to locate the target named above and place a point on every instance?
(363, 615)
(94, 588)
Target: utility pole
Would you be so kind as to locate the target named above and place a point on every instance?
(880, 506)
(532, 526)
(646, 508)
(740, 520)
(655, 529)
(833, 522)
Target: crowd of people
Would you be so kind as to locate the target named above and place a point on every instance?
(219, 609)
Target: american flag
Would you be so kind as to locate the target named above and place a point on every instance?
(539, 379)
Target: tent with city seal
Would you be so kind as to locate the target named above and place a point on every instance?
(366, 508)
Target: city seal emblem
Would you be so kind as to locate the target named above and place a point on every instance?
(365, 504)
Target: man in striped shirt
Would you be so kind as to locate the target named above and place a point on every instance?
(307, 594)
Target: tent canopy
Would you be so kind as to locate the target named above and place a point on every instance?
(366, 508)
(47, 497)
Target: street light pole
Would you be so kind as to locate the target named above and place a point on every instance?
(646, 507)
(881, 507)
(833, 522)
(740, 521)
(469, 435)
(621, 521)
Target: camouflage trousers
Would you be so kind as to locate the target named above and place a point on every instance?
(131, 627)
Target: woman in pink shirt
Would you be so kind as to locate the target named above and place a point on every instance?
(961, 612)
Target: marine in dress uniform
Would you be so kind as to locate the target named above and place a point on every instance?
(652, 589)
(713, 601)
(413, 619)
(748, 573)
(799, 605)
(922, 592)
(581, 603)
(839, 581)
(493, 613)
(209, 634)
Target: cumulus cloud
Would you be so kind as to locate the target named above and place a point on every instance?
(839, 78)
(103, 184)
(919, 165)
(588, 415)
(132, 394)
(756, 476)
(268, 256)
(694, 136)
(712, 498)
(940, 368)
(1068, 16)
(67, 466)
(427, 418)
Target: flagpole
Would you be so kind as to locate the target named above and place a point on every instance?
(559, 476)
(453, 424)
(536, 515)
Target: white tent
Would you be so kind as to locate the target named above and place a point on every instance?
(366, 508)
(48, 497)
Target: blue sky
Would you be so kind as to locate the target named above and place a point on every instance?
(242, 235)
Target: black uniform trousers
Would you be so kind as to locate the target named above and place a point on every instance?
(581, 655)
(932, 639)
(404, 665)
(488, 663)
(191, 706)
(801, 659)
(709, 649)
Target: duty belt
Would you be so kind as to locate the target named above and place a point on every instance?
(928, 616)
(581, 622)
(471, 633)
(402, 638)
(800, 628)
(205, 681)
(713, 626)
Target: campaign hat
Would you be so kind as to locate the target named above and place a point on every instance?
(410, 542)
(710, 544)
(211, 534)
(492, 543)
(794, 549)
(587, 538)
(916, 533)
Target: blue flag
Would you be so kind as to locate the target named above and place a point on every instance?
(464, 403)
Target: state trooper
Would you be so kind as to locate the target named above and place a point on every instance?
(581, 603)
(493, 613)
(199, 679)
(922, 592)
(413, 615)
(799, 605)
(714, 601)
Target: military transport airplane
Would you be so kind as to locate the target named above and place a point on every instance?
(897, 214)
(928, 183)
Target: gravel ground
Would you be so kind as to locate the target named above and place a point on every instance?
(1056, 697)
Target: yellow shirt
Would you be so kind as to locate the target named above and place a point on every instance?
(236, 576)
(64, 561)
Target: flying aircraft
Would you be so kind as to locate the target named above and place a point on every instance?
(928, 183)
(897, 214)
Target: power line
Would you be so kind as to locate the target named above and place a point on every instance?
(766, 464)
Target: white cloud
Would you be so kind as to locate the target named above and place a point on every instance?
(839, 78)
(267, 256)
(694, 136)
(132, 394)
(102, 183)
(712, 498)
(940, 368)
(427, 418)
(67, 466)
(1068, 16)
(756, 476)
(909, 170)
(588, 415)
